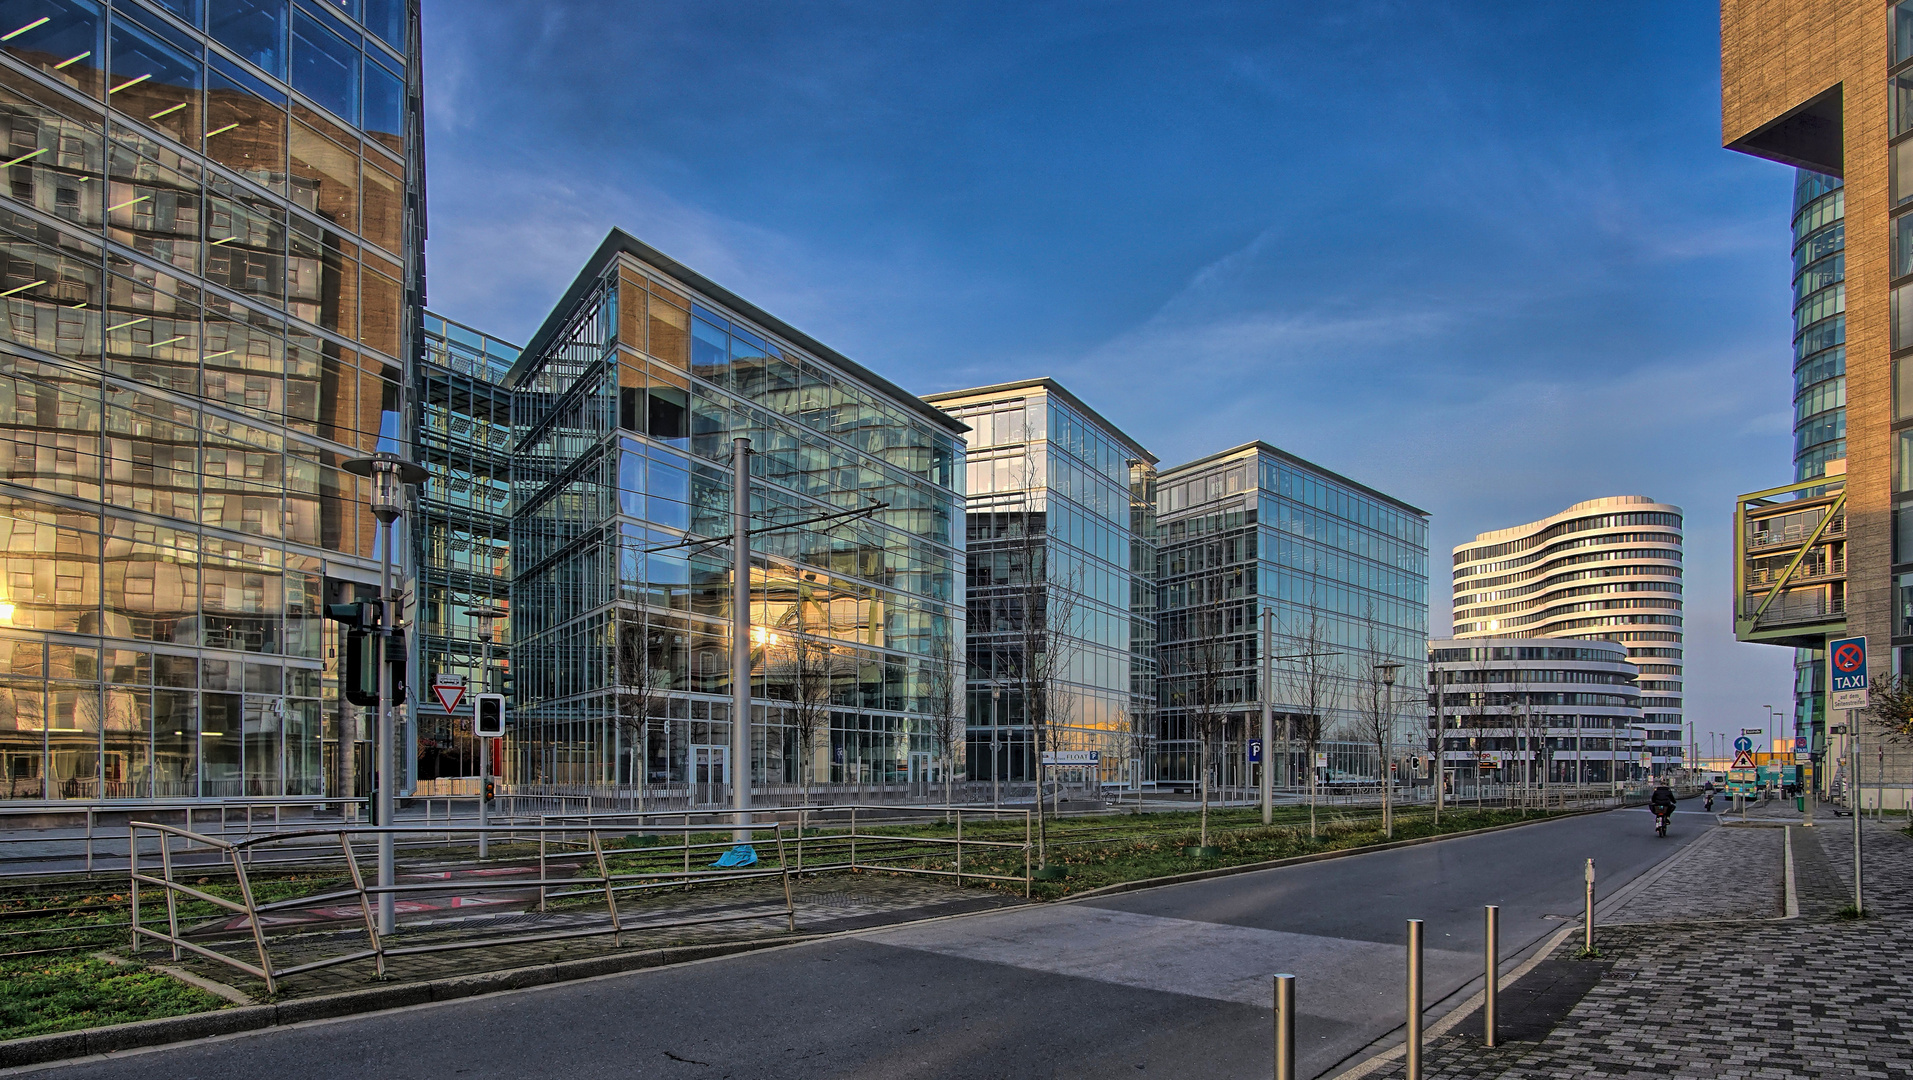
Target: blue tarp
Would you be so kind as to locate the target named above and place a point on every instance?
(741, 855)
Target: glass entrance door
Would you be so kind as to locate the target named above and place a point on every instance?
(708, 774)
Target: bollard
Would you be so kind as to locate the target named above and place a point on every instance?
(1587, 944)
(1492, 983)
(1285, 1027)
(1414, 1000)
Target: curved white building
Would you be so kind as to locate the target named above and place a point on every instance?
(1602, 570)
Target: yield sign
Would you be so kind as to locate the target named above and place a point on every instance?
(450, 690)
(1743, 760)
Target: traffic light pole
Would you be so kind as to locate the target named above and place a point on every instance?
(382, 768)
(484, 757)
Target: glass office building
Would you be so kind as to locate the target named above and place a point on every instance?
(1339, 563)
(625, 403)
(1053, 527)
(210, 284)
(462, 541)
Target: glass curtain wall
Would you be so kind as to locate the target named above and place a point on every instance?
(462, 545)
(1052, 491)
(207, 261)
(1341, 565)
(1820, 369)
(624, 412)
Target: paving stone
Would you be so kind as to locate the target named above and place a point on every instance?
(1719, 996)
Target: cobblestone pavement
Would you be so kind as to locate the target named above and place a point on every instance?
(1751, 856)
(1814, 996)
(750, 911)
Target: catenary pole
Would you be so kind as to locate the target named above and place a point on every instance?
(741, 637)
(1268, 717)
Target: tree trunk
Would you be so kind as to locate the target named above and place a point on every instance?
(1042, 775)
(1204, 841)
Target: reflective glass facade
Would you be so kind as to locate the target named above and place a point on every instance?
(462, 541)
(1055, 528)
(624, 408)
(210, 283)
(1256, 528)
(1820, 322)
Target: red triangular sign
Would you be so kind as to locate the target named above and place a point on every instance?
(1743, 760)
(449, 696)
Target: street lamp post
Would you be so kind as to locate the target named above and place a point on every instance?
(389, 474)
(484, 615)
(1388, 669)
(741, 638)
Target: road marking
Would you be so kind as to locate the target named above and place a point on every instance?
(1179, 956)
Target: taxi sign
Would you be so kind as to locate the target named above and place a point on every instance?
(1847, 672)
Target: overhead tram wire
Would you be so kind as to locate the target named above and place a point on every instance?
(841, 516)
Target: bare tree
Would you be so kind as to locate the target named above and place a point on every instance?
(1375, 712)
(1042, 615)
(813, 664)
(1207, 666)
(1310, 684)
(946, 717)
(1478, 715)
(637, 689)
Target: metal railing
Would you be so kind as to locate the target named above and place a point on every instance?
(236, 854)
(844, 839)
(836, 832)
(92, 833)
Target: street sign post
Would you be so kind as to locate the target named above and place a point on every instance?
(449, 689)
(1068, 758)
(1847, 672)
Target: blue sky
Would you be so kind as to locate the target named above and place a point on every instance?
(1489, 258)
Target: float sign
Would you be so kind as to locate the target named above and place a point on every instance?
(1847, 672)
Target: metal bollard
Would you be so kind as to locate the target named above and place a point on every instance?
(1587, 945)
(1285, 1027)
(1492, 983)
(1414, 1000)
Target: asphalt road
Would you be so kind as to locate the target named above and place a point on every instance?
(1171, 982)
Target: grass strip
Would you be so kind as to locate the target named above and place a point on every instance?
(43, 995)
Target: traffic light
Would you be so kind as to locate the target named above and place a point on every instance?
(488, 716)
(359, 674)
(491, 789)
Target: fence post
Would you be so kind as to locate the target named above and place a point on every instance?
(1413, 1071)
(687, 843)
(853, 836)
(89, 839)
(543, 823)
(252, 914)
(1285, 1027)
(132, 862)
(1492, 985)
(172, 906)
(790, 908)
(365, 905)
(959, 840)
(610, 896)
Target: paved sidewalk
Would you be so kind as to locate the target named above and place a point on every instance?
(1726, 993)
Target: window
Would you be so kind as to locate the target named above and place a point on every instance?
(1900, 96)
(245, 124)
(255, 29)
(325, 67)
(1902, 21)
(154, 81)
(384, 107)
(1903, 317)
(65, 43)
(1903, 462)
(386, 18)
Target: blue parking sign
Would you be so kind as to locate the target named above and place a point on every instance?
(1255, 751)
